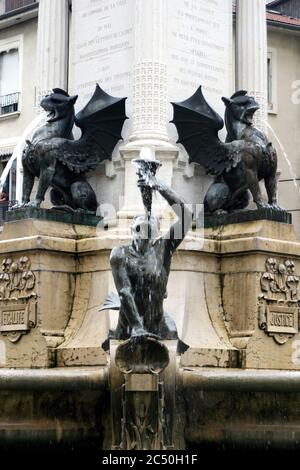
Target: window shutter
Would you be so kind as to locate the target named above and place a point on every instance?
(11, 5)
(9, 72)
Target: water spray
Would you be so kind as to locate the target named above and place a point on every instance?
(146, 169)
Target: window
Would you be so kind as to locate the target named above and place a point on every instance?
(272, 81)
(11, 5)
(10, 77)
(9, 81)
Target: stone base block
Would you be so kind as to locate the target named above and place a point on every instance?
(238, 217)
(229, 358)
(53, 215)
(233, 295)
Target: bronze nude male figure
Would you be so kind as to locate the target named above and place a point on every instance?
(141, 270)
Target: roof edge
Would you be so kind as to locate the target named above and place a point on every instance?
(19, 11)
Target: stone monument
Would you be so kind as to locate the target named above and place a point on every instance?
(232, 288)
(154, 53)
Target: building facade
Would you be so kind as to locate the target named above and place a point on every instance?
(18, 33)
(283, 19)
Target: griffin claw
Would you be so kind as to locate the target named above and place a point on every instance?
(35, 204)
(276, 207)
(19, 205)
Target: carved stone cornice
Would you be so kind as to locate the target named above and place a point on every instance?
(279, 301)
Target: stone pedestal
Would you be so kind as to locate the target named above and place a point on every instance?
(40, 289)
(259, 266)
(142, 380)
(132, 202)
(233, 295)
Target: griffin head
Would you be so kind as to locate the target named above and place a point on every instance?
(241, 107)
(58, 104)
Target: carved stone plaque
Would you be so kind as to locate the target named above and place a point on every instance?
(14, 318)
(279, 301)
(282, 320)
(199, 49)
(17, 298)
(17, 317)
(102, 47)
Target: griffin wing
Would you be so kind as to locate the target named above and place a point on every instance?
(198, 126)
(101, 122)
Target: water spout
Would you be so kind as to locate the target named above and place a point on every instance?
(290, 166)
(147, 168)
(17, 154)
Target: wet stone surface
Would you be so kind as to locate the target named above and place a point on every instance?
(238, 217)
(78, 218)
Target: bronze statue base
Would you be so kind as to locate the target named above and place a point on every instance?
(54, 215)
(238, 217)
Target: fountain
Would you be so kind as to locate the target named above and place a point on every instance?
(144, 366)
(198, 346)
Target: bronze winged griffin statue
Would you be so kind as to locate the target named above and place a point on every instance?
(59, 161)
(238, 164)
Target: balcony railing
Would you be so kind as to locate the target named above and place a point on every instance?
(9, 103)
(11, 5)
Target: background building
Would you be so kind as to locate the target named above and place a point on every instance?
(153, 52)
(283, 20)
(18, 32)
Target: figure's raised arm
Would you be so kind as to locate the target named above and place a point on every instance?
(184, 213)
